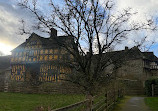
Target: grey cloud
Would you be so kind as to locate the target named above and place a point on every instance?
(10, 15)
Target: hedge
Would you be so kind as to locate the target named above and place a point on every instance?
(148, 83)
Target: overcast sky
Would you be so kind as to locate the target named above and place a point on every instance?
(11, 14)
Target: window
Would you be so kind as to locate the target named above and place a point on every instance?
(46, 58)
(35, 52)
(55, 51)
(51, 51)
(46, 51)
(41, 58)
(55, 57)
(34, 59)
(50, 57)
(41, 51)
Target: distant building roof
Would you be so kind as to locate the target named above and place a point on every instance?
(117, 57)
(133, 53)
(150, 56)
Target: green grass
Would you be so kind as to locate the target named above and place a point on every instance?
(152, 103)
(121, 103)
(29, 102)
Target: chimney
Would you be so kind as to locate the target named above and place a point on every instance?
(53, 33)
(126, 48)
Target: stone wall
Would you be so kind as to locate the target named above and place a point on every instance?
(47, 87)
(4, 79)
(2, 76)
(133, 87)
(132, 69)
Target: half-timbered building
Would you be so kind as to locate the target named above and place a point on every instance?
(40, 58)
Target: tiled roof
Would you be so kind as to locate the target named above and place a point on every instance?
(117, 57)
(150, 56)
(127, 54)
(46, 42)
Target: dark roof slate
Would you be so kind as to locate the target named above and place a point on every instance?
(46, 42)
(150, 56)
(129, 54)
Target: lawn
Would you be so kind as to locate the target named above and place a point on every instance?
(152, 103)
(30, 102)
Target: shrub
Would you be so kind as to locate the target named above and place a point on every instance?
(148, 83)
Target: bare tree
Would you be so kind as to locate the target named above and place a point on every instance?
(92, 26)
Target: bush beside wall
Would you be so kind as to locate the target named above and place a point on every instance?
(148, 85)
